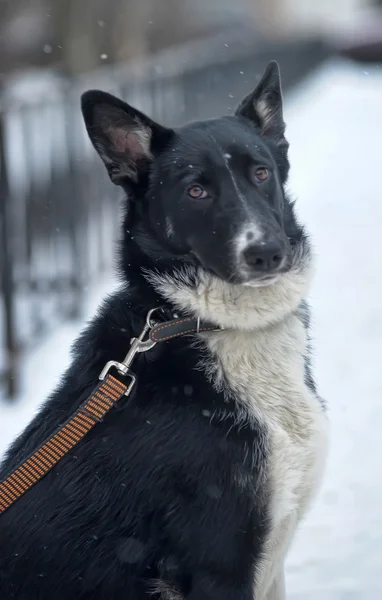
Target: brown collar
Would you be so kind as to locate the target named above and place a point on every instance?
(178, 327)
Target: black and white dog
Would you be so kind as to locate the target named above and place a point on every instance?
(194, 488)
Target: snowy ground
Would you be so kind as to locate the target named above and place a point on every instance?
(334, 126)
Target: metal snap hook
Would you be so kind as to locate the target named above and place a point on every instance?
(139, 344)
(151, 324)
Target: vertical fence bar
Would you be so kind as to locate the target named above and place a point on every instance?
(7, 274)
(74, 207)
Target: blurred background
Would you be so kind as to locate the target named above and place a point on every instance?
(180, 60)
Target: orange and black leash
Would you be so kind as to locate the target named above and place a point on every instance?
(104, 397)
(40, 462)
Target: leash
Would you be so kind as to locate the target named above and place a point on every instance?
(102, 399)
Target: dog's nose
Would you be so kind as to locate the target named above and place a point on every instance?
(264, 258)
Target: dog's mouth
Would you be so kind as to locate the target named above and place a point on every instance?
(247, 279)
(262, 281)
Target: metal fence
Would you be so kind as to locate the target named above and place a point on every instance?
(57, 211)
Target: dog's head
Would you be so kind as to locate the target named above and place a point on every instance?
(208, 196)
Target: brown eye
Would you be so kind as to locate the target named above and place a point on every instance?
(261, 174)
(197, 192)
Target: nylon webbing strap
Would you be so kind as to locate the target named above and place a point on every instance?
(34, 468)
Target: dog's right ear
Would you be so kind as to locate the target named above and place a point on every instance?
(125, 139)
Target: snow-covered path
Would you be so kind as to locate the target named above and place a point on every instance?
(334, 127)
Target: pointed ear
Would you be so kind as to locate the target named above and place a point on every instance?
(125, 139)
(264, 106)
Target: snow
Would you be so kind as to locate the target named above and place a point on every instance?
(54, 354)
(334, 124)
(335, 152)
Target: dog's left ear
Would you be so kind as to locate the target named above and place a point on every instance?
(126, 139)
(264, 106)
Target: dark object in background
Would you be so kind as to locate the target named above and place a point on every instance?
(361, 41)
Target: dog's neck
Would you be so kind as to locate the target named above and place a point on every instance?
(202, 295)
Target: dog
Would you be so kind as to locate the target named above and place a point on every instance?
(194, 487)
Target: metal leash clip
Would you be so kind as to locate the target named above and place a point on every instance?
(139, 344)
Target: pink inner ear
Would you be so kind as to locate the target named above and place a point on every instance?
(131, 142)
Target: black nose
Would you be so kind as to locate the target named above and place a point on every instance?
(264, 258)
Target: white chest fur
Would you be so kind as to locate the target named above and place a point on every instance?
(259, 359)
(264, 371)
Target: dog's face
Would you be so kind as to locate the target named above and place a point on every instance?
(210, 193)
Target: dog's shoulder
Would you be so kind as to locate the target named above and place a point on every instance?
(104, 338)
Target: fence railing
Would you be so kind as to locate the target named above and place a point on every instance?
(57, 214)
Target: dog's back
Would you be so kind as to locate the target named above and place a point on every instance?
(193, 487)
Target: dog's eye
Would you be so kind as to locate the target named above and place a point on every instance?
(261, 174)
(197, 192)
